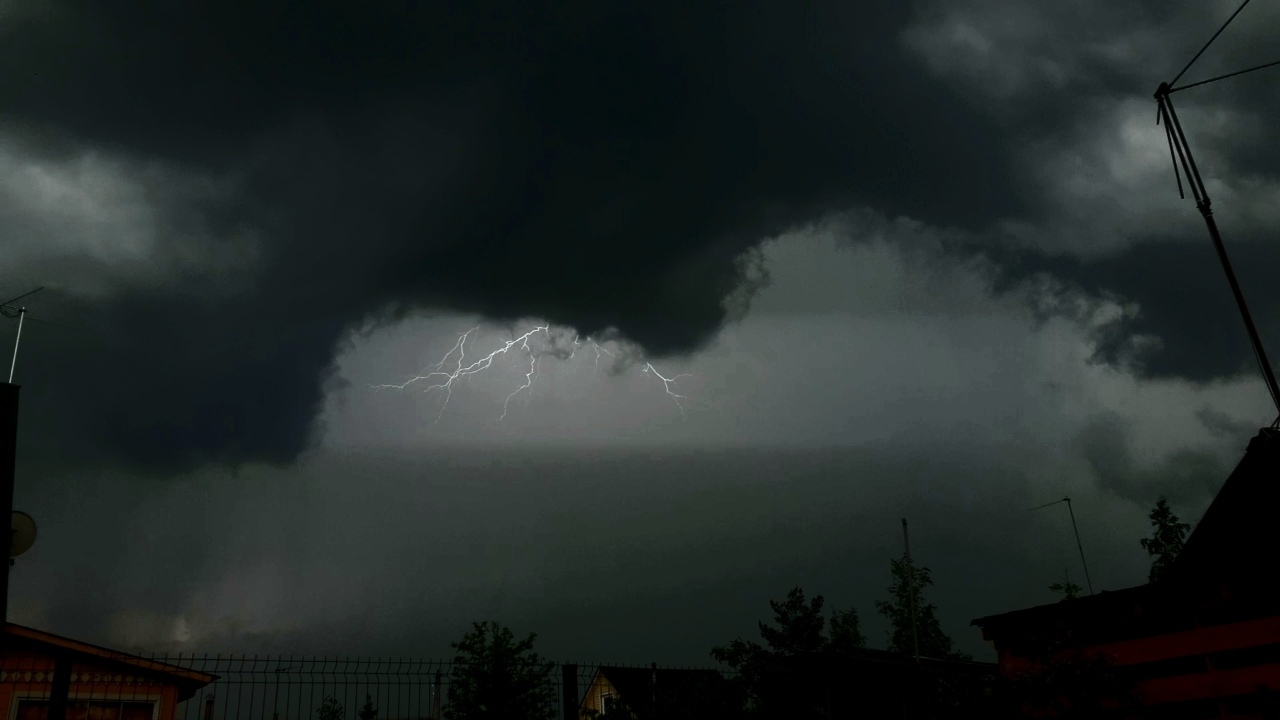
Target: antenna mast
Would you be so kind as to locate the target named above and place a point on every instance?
(911, 583)
(20, 312)
(1076, 530)
(1180, 154)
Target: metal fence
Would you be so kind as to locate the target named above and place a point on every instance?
(276, 687)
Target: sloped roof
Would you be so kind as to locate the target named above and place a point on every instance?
(1082, 607)
(18, 637)
(1239, 524)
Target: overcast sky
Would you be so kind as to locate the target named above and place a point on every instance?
(920, 260)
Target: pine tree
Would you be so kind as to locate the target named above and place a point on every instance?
(1167, 539)
(330, 709)
(800, 625)
(368, 712)
(766, 676)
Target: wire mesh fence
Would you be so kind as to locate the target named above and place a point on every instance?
(115, 686)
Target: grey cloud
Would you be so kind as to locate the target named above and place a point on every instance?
(593, 504)
(1186, 476)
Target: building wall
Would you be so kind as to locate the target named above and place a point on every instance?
(1201, 667)
(24, 675)
(600, 686)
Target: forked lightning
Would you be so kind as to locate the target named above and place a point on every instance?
(441, 379)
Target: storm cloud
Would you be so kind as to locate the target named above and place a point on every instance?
(920, 259)
(604, 167)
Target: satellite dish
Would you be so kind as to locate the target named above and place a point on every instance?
(24, 533)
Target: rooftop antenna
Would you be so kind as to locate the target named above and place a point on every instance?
(16, 526)
(1076, 530)
(9, 310)
(1180, 154)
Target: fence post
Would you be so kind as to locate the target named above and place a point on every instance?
(569, 691)
(435, 699)
(653, 667)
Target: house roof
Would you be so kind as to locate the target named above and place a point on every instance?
(1106, 601)
(1238, 524)
(637, 681)
(863, 656)
(187, 680)
(1219, 550)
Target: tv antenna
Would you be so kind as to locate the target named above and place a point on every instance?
(1180, 154)
(1076, 530)
(11, 310)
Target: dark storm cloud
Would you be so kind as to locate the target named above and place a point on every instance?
(1073, 85)
(599, 165)
(1184, 300)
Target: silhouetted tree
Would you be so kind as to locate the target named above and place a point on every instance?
(846, 631)
(1067, 589)
(800, 625)
(329, 709)
(1167, 538)
(368, 712)
(934, 643)
(771, 678)
(496, 678)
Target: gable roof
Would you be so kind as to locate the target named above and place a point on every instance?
(37, 641)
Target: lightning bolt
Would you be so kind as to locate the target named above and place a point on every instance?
(441, 379)
(528, 378)
(666, 385)
(598, 351)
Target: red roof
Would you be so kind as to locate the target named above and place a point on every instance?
(20, 637)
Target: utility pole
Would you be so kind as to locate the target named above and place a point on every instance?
(911, 585)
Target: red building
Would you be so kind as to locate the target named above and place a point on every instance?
(96, 683)
(1204, 642)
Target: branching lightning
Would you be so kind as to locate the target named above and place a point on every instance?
(679, 399)
(437, 378)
